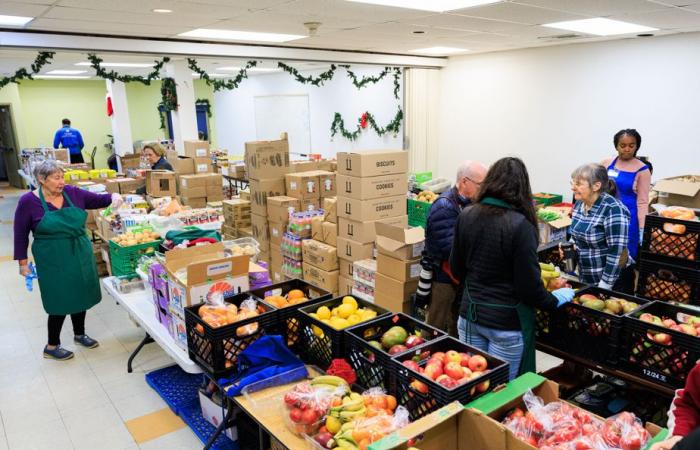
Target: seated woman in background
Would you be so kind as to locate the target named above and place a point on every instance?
(155, 155)
(599, 227)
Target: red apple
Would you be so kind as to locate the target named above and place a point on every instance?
(446, 381)
(464, 359)
(668, 323)
(454, 370)
(309, 416)
(477, 363)
(396, 349)
(419, 386)
(440, 356)
(662, 338)
(451, 356)
(411, 365)
(646, 317)
(413, 340)
(295, 415)
(688, 329)
(483, 386)
(433, 371)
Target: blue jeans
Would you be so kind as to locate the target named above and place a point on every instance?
(505, 345)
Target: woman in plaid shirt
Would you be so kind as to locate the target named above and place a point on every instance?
(599, 227)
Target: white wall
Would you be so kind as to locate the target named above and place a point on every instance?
(558, 107)
(235, 113)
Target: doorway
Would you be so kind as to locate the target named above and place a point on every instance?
(9, 148)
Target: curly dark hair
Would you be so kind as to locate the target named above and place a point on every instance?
(508, 180)
(629, 132)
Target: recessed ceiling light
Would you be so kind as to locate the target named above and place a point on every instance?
(65, 72)
(600, 26)
(15, 21)
(440, 51)
(62, 77)
(424, 5)
(162, 11)
(233, 35)
(252, 69)
(108, 64)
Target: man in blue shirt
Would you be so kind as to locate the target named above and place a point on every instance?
(70, 138)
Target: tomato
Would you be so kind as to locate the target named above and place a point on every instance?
(309, 416)
(630, 442)
(295, 415)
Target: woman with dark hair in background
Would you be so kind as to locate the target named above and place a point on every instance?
(633, 179)
(494, 255)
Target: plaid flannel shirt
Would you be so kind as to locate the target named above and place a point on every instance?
(601, 239)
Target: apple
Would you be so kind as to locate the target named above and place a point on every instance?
(411, 365)
(438, 355)
(483, 386)
(309, 416)
(646, 317)
(477, 363)
(676, 328)
(662, 338)
(668, 323)
(446, 381)
(433, 371)
(413, 341)
(454, 370)
(295, 415)
(323, 438)
(688, 329)
(396, 349)
(464, 359)
(452, 356)
(587, 297)
(419, 386)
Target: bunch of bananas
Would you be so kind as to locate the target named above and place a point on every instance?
(330, 382)
(549, 272)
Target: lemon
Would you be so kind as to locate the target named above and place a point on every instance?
(345, 310)
(334, 311)
(326, 321)
(347, 300)
(315, 315)
(338, 323)
(317, 331)
(333, 424)
(323, 313)
(354, 319)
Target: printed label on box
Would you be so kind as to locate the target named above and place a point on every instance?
(202, 167)
(202, 152)
(218, 269)
(418, 249)
(415, 270)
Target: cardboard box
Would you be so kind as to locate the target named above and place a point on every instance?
(327, 280)
(244, 194)
(260, 190)
(330, 210)
(373, 209)
(192, 186)
(553, 231)
(317, 228)
(345, 266)
(330, 233)
(302, 185)
(193, 202)
(354, 251)
(397, 269)
(260, 231)
(214, 191)
(277, 230)
(215, 179)
(365, 232)
(215, 198)
(60, 154)
(327, 184)
(679, 191)
(131, 161)
(345, 285)
(319, 254)
(279, 207)
(393, 294)
(123, 185)
(400, 242)
(161, 183)
(303, 166)
(203, 165)
(197, 149)
(267, 159)
(309, 204)
(214, 414)
(372, 187)
(183, 165)
(372, 163)
(206, 266)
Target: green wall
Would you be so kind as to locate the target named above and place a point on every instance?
(10, 95)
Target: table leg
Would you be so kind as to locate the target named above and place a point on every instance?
(146, 340)
(226, 423)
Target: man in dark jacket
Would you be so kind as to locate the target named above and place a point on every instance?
(442, 312)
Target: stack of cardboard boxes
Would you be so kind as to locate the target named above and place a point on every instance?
(278, 210)
(398, 265)
(371, 188)
(236, 217)
(199, 189)
(267, 163)
(320, 254)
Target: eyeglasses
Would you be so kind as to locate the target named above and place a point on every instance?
(478, 183)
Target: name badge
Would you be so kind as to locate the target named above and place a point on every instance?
(612, 173)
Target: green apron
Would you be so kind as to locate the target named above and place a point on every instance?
(526, 314)
(65, 263)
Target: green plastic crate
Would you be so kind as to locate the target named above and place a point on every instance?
(422, 177)
(125, 259)
(547, 199)
(418, 213)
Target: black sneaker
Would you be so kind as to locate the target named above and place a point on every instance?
(58, 353)
(86, 341)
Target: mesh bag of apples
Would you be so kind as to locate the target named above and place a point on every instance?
(561, 426)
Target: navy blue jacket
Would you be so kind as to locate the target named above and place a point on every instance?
(440, 230)
(69, 138)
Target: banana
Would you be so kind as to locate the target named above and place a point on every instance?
(345, 444)
(547, 267)
(548, 275)
(352, 405)
(349, 415)
(329, 387)
(328, 379)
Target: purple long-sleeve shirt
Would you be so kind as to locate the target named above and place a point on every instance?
(30, 212)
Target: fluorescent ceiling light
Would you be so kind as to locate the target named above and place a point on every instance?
(162, 11)
(429, 5)
(440, 50)
(65, 72)
(253, 69)
(234, 35)
(62, 77)
(600, 26)
(107, 64)
(15, 21)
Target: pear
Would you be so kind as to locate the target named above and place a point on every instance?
(596, 304)
(613, 305)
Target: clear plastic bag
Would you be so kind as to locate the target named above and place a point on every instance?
(306, 406)
(377, 402)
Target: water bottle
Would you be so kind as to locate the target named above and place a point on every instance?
(30, 277)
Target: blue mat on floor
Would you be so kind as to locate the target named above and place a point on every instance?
(180, 391)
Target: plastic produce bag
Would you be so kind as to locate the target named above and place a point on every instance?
(306, 406)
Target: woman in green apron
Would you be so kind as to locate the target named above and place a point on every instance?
(494, 254)
(65, 264)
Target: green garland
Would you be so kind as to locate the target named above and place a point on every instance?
(168, 102)
(359, 84)
(338, 125)
(221, 84)
(42, 58)
(317, 81)
(96, 63)
(205, 102)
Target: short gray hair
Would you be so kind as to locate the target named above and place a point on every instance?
(593, 173)
(466, 170)
(46, 168)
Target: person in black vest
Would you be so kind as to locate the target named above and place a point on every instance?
(442, 312)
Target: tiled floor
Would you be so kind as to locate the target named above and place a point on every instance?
(82, 403)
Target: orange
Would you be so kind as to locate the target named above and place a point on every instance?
(391, 402)
(363, 444)
(379, 402)
(359, 435)
(295, 293)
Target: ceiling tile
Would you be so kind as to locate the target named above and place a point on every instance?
(513, 12)
(595, 8)
(181, 9)
(127, 29)
(669, 18)
(144, 18)
(22, 9)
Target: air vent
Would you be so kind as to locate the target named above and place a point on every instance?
(561, 36)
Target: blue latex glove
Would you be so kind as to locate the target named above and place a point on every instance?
(30, 277)
(641, 235)
(563, 295)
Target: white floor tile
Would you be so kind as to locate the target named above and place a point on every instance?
(183, 439)
(51, 435)
(139, 405)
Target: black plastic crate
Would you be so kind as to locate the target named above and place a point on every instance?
(216, 350)
(321, 343)
(666, 363)
(557, 253)
(668, 283)
(548, 323)
(421, 400)
(593, 334)
(672, 241)
(369, 362)
(288, 317)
